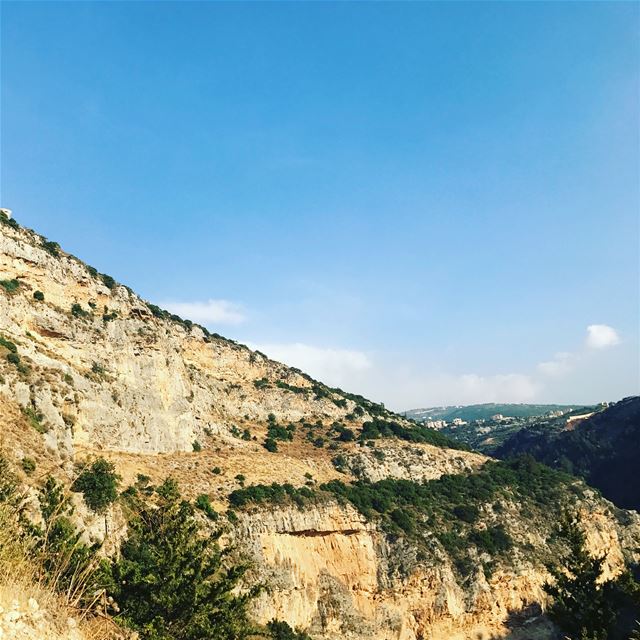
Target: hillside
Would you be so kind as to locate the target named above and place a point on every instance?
(603, 449)
(485, 411)
(360, 523)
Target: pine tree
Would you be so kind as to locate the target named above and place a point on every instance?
(582, 604)
(172, 581)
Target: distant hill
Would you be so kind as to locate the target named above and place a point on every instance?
(603, 449)
(486, 411)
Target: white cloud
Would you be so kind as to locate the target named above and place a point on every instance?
(601, 336)
(562, 364)
(330, 365)
(208, 311)
(408, 390)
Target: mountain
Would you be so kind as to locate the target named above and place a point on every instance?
(486, 411)
(360, 523)
(604, 449)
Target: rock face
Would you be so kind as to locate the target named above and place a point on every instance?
(101, 372)
(338, 576)
(134, 382)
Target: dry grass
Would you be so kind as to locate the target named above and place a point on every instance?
(23, 580)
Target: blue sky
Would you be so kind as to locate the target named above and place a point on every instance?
(424, 202)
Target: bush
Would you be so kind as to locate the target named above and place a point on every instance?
(279, 630)
(38, 295)
(270, 494)
(51, 247)
(271, 445)
(466, 513)
(77, 311)
(204, 504)
(28, 465)
(98, 484)
(196, 446)
(10, 286)
(7, 344)
(108, 281)
(13, 358)
(172, 581)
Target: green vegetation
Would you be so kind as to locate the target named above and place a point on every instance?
(197, 447)
(38, 295)
(10, 222)
(78, 312)
(270, 445)
(7, 344)
(172, 580)
(108, 281)
(28, 465)
(270, 494)
(279, 630)
(486, 411)
(204, 504)
(98, 485)
(10, 286)
(51, 247)
(35, 418)
(584, 606)
(378, 428)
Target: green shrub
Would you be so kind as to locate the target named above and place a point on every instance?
(270, 445)
(379, 428)
(98, 485)
(35, 418)
(216, 470)
(204, 504)
(173, 582)
(51, 247)
(77, 311)
(38, 295)
(196, 446)
(108, 281)
(28, 465)
(10, 286)
(7, 344)
(69, 565)
(270, 494)
(13, 358)
(10, 222)
(466, 513)
(279, 630)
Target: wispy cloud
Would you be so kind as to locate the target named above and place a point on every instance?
(561, 364)
(601, 336)
(208, 311)
(334, 366)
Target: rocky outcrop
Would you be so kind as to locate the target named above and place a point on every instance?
(101, 372)
(338, 576)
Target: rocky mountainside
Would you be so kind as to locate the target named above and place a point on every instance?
(604, 449)
(361, 523)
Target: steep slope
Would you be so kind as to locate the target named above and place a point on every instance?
(358, 539)
(604, 449)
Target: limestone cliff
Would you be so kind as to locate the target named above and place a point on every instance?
(89, 368)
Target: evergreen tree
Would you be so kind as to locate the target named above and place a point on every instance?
(582, 604)
(98, 484)
(172, 581)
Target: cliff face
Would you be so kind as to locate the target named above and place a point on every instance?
(338, 576)
(100, 372)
